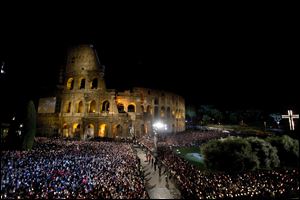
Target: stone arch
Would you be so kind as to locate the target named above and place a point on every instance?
(105, 106)
(118, 131)
(120, 107)
(82, 83)
(80, 107)
(94, 83)
(70, 84)
(131, 108)
(149, 110)
(92, 107)
(168, 112)
(76, 130)
(142, 109)
(65, 131)
(162, 111)
(67, 108)
(89, 131)
(102, 130)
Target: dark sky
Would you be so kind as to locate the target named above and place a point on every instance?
(227, 61)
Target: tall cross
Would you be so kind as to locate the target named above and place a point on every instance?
(291, 118)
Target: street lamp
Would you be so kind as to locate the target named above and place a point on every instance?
(158, 127)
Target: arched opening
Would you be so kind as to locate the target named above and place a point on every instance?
(156, 101)
(120, 108)
(68, 107)
(82, 84)
(70, 84)
(156, 112)
(80, 107)
(94, 84)
(102, 130)
(168, 112)
(118, 131)
(162, 111)
(131, 108)
(149, 110)
(142, 109)
(76, 130)
(89, 131)
(105, 106)
(66, 130)
(92, 107)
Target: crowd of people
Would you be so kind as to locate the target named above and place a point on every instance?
(195, 183)
(72, 169)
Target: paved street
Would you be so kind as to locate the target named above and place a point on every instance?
(156, 185)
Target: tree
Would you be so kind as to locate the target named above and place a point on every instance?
(267, 154)
(29, 126)
(229, 154)
(288, 149)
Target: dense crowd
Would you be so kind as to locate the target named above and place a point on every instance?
(72, 169)
(194, 183)
(192, 138)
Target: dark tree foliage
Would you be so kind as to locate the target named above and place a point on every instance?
(230, 154)
(266, 153)
(29, 127)
(288, 150)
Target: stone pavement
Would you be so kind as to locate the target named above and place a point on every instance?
(156, 185)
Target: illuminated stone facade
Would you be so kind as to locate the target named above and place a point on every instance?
(86, 108)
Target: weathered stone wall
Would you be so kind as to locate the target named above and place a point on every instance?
(84, 111)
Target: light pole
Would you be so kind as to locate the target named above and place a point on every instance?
(157, 128)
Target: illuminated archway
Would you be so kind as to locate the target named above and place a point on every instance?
(70, 84)
(105, 106)
(76, 130)
(80, 107)
(102, 130)
(162, 111)
(89, 131)
(92, 107)
(118, 131)
(68, 107)
(66, 130)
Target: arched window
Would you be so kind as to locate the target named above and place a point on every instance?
(156, 111)
(80, 107)
(105, 106)
(68, 107)
(92, 107)
(102, 130)
(156, 101)
(149, 110)
(82, 84)
(94, 84)
(70, 84)
(168, 112)
(142, 109)
(120, 108)
(162, 111)
(131, 108)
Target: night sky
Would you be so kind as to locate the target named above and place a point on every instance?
(229, 62)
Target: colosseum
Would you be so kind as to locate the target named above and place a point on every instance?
(83, 107)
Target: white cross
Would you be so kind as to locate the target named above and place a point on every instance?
(291, 118)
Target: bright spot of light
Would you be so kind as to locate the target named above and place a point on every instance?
(13, 118)
(21, 125)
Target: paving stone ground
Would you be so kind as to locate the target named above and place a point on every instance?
(157, 186)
